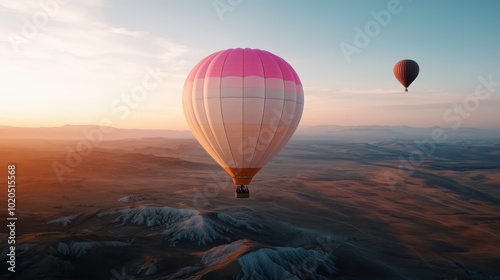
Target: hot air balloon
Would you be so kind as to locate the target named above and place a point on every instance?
(406, 71)
(243, 105)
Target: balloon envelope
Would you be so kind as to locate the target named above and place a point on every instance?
(406, 71)
(243, 105)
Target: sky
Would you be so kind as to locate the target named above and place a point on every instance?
(124, 62)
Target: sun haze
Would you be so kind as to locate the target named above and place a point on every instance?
(126, 62)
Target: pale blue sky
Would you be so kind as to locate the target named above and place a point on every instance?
(91, 52)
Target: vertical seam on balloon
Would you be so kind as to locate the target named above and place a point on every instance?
(196, 78)
(287, 134)
(410, 72)
(405, 72)
(282, 109)
(402, 73)
(243, 106)
(220, 150)
(222, 111)
(296, 118)
(207, 136)
(200, 130)
(263, 110)
(226, 154)
(398, 73)
(287, 128)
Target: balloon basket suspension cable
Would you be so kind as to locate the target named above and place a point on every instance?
(242, 192)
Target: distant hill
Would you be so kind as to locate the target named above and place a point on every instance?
(334, 132)
(372, 132)
(76, 132)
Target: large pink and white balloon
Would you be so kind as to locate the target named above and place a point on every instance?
(243, 105)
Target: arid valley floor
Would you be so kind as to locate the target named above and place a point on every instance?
(158, 208)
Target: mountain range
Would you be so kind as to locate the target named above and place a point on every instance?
(331, 132)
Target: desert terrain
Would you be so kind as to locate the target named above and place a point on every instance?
(160, 208)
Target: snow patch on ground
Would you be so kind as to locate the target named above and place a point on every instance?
(63, 220)
(134, 198)
(219, 253)
(196, 229)
(241, 223)
(79, 249)
(180, 224)
(216, 256)
(75, 249)
(286, 263)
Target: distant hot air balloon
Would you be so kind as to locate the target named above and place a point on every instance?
(406, 71)
(243, 105)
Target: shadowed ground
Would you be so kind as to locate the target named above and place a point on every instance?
(155, 207)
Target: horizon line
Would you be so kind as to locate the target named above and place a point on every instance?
(300, 126)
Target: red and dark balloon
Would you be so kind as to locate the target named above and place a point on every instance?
(406, 71)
